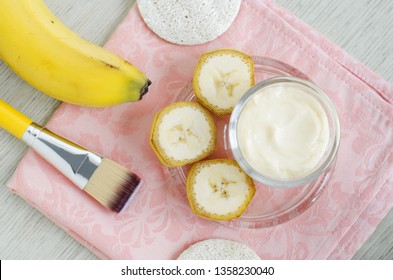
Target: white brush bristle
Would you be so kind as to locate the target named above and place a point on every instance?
(112, 185)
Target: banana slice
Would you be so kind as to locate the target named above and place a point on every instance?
(219, 189)
(221, 77)
(183, 133)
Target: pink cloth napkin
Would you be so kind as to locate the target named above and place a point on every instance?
(159, 224)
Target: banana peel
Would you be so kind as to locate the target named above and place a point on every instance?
(56, 61)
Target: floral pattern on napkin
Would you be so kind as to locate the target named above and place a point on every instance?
(159, 224)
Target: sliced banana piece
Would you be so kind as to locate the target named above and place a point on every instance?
(183, 133)
(221, 77)
(219, 189)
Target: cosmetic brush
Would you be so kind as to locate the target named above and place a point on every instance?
(108, 182)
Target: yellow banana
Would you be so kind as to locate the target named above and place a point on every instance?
(56, 61)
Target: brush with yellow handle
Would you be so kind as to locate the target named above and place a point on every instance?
(109, 183)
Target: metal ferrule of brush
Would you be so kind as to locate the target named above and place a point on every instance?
(74, 161)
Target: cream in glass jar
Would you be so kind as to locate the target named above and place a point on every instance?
(284, 132)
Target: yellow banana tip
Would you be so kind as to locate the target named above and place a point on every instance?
(145, 88)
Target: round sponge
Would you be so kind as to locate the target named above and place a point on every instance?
(218, 249)
(188, 22)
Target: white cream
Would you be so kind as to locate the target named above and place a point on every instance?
(283, 132)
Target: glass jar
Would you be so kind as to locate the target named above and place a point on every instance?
(300, 86)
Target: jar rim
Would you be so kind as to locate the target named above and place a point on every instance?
(334, 135)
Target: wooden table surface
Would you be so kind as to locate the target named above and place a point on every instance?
(363, 28)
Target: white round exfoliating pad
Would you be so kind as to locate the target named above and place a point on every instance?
(218, 249)
(188, 22)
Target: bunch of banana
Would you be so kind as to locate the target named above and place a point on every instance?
(56, 61)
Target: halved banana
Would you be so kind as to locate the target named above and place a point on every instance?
(183, 133)
(221, 77)
(219, 189)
